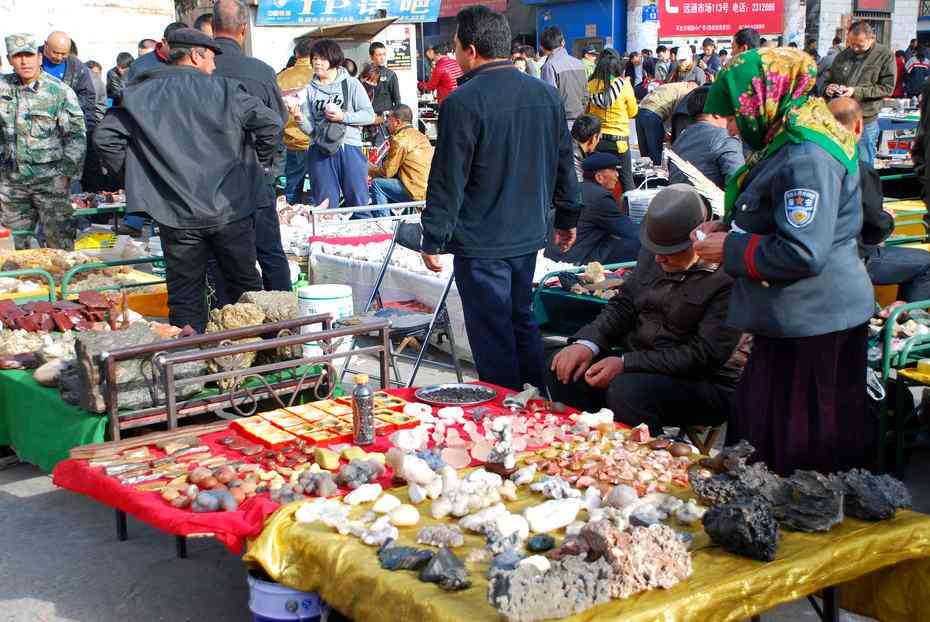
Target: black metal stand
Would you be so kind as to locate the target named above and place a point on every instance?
(831, 605)
(830, 612)
(121, 534)
(180, 543)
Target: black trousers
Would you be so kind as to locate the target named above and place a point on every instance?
(497, 297)
(186, 254)
(626, 160)
(654, 399)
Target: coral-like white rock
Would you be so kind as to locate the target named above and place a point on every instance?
(555, 488)
(508, 490)
(478, 521)
(507, 524)
(441, 508)
(416, 493)
(524, 476)
(315, 510)
(690, 513)
(379, 532)
(434, 488)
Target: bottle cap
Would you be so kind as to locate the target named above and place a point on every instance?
(361, 379)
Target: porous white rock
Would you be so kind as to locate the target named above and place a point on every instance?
(690, 513)
(380, 532)
(551, 515)
(416, 470)
(416, 493)
(508, 490)
(441, 508)
(555, 488)
(385, 504)
(508, 524)
(410, 439)
(315, 510)
(433, 488)
(363, 494)
(476, 522)
(621, 496)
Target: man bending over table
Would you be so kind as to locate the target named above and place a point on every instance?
(680, 362)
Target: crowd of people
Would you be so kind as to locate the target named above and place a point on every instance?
(722, 320)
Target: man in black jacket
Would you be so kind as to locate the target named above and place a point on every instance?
(680, 360)
(386, 95)
(177, 141)
(908, 268)
(230, 21)
(605, 234)
(116, 77)
(504, 157)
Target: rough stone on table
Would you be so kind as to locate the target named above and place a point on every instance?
(394, 557)
(446, 570)
(816, 503)
(441, 535)
(872, 497)
(570, 586)
(505, 560)
(744, 526)
(359, 472)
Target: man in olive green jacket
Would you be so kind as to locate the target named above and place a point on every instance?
(866, 72)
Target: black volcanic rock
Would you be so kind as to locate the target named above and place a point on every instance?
(745, 526)
(872, 497)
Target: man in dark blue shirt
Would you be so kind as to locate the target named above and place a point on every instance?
(504, 157)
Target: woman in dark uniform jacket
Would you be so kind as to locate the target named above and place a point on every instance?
(795, 212)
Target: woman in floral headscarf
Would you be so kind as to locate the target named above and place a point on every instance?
(793, 213)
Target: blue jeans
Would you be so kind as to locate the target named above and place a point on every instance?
(385, 190)
(345, 172)
(868, 144)
(497, 296)
(909, 268)
(295, 171)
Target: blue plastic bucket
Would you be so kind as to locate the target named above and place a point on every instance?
(272, 602)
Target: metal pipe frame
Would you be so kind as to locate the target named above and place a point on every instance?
(87, 267)
(145, 416)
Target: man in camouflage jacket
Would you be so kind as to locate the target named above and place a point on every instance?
(42, 146)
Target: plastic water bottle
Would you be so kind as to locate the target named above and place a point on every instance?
(6, 240)
(154, 248)
(363, 415)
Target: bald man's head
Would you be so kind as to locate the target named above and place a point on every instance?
(848, 112)
(230, 19)
(57, 47)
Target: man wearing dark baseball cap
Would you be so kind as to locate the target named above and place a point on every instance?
(605, 234)
(660, 352)
(177, 140)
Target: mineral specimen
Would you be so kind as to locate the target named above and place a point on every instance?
(432, 457)
(569, 586)
(816, 503)
(441, 535)
(642, 558)
(621, 496)
(524, 476)
(872, 497)
(551, 515)
(505, 560)
(314, 510)
(363, 494)
(540, 543)
(538, 562)
(320, 484)
(690, 513)
(447, 570)
(359, 472)
(276, 306)
(503, 452)
(479, 521)
(394, 557)
(404, 516)
(378, 532)
(385, 504)
(744, 526)
(555, 488)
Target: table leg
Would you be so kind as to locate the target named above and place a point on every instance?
(121, 526)
(831, 604)
(180, 543)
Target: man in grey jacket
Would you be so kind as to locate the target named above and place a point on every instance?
(707, 144)
(564, 72)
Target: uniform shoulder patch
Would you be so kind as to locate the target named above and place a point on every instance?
(801, 206)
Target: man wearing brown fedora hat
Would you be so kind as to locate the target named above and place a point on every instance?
(679, 362)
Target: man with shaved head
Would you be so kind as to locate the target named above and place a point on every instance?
(230, 22)
(57, 61)
(908, 268)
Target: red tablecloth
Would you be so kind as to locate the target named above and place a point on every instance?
(230, 528)
(351, 241)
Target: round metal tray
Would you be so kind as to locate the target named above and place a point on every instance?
(428, 394)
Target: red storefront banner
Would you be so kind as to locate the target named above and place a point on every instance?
(689, 18)
(451, 8)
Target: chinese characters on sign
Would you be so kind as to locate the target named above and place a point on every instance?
(681, 18)
(321, 12)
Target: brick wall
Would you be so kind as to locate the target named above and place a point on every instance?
(836, 14)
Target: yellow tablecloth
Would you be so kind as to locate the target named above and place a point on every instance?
(886, 563)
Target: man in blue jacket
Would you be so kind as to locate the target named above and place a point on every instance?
(504, 157)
